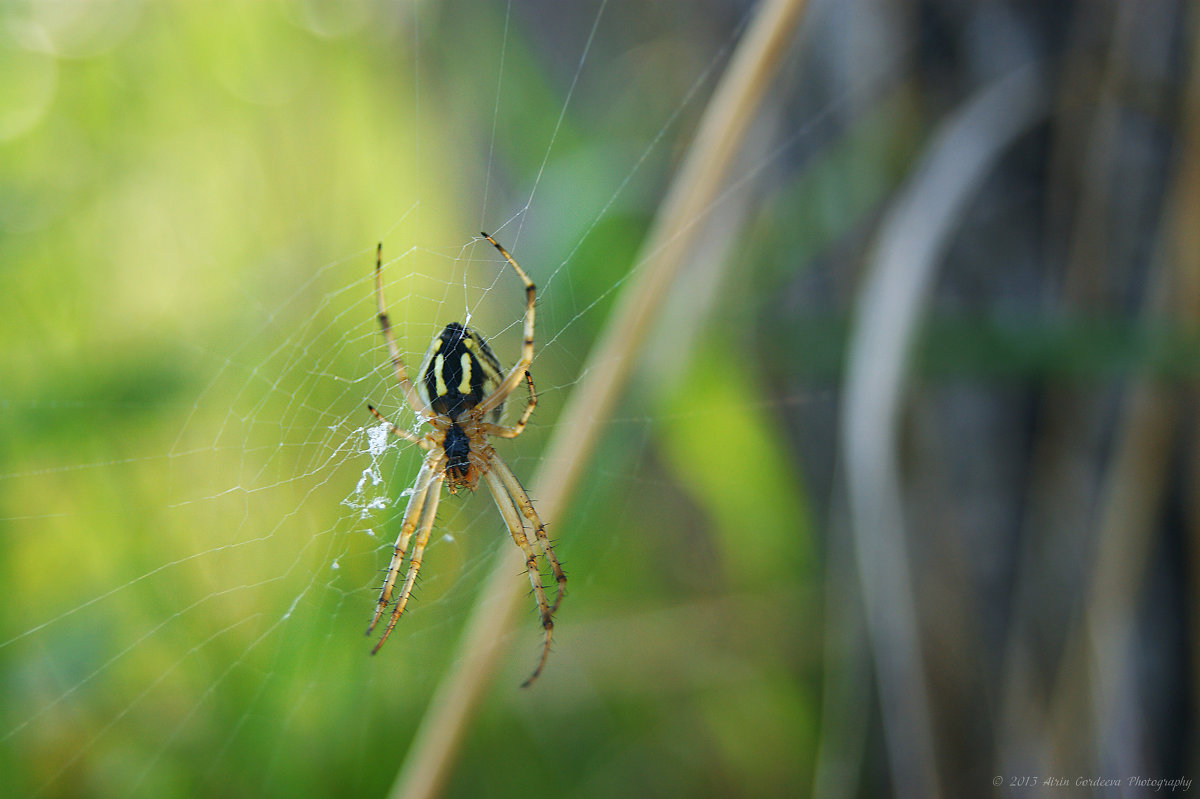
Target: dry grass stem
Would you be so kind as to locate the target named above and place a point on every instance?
(658, 266)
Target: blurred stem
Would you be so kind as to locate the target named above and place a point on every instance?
(1085, 141)
(605, 375)
(1103, 646)
(912, 239)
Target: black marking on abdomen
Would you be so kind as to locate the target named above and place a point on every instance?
(456, 354)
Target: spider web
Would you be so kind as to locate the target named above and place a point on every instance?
(194, 552)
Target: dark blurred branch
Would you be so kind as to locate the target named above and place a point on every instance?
(1102, 649)
(1039, 723)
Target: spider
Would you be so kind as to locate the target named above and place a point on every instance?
(460, 393)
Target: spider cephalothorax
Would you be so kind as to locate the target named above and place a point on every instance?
(457, 446)
(467, 453)
(460, 393)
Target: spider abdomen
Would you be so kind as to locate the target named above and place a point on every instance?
(458, 371)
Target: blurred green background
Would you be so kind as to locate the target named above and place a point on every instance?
(194, 528)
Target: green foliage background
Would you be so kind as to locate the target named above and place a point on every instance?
(190, 197)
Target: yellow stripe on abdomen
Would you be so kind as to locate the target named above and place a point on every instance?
(464, 385)
(437, 373)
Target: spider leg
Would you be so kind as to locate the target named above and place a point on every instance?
(521, 496)
(414, 563)
(513, 378)
(406, 386)
(512, 432)
(509, 511)
(416, 502)
(420, 441)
